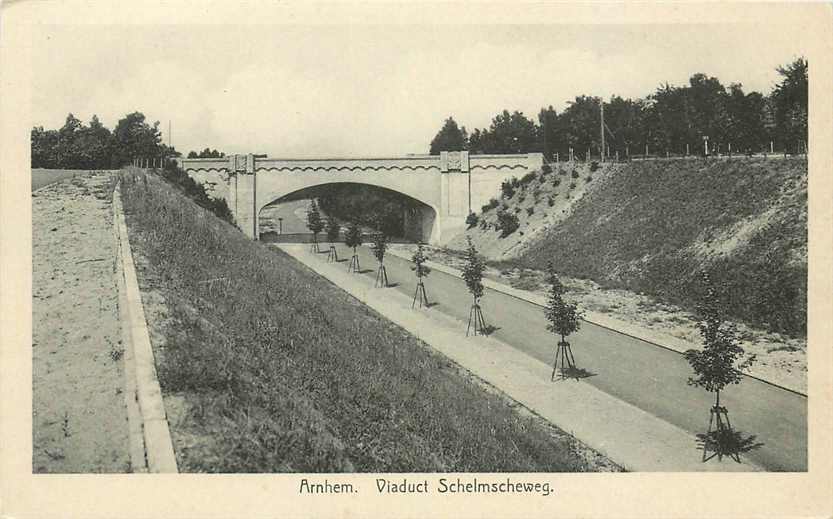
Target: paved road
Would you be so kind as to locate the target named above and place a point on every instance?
(645, 375)
(294, 216)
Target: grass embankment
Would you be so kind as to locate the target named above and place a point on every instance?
(653, 226)
(282, 371)
(536, 201)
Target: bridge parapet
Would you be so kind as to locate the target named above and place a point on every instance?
(336, 164)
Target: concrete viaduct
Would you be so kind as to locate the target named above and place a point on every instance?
(448, 186)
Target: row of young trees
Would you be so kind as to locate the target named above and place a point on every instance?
(673, 119)
(715, 366)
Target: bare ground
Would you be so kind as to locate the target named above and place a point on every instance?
(79, 419)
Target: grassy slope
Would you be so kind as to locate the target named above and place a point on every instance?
(285, 372)
(543, 201)
(654, 225)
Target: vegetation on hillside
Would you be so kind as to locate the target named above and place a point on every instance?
(195, 191)
(285, 372)
(654, 225)
(668, 120)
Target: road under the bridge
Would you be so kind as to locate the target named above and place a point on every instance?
(637, 372)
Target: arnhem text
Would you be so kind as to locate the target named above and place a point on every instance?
(444, 486)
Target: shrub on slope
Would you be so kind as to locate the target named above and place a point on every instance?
(653, 226)
(283, 371)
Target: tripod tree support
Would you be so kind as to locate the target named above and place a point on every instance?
(473, 276)
(719, 438)
(379, 245)
(564, 319)
(476, 320)
(421, 271)
(353, 238)
(564, 363)
(716, 366)
(314, 224)
(333, 228)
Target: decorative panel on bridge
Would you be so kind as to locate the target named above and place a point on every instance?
(450, 185)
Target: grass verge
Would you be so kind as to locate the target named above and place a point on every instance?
(282, 371)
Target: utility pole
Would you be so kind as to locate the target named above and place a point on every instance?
(602, 126)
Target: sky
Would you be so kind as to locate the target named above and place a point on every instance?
(384, 90)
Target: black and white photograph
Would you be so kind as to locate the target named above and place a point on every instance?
(372, 254)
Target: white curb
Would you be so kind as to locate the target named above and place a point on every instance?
(139, 362)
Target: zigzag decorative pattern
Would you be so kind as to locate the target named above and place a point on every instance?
(347, 168)
(497, 166)
(208, 170)
(363, 168)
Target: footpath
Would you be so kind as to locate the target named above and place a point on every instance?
(78, 410)
(637, 440)
(96, 403)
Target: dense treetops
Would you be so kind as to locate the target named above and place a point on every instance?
(206, 154)
(667, 120)
(93, 146)
(449, 138)
(378, 208)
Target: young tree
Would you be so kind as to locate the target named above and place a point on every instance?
(333, 228)
(353, 238)
(379, 245)
(421, 270)
(564, 319)
(716, 365)
(473, 276)
(315, 224)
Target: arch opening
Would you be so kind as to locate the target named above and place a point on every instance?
(404, 218)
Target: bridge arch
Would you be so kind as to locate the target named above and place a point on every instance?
(421, 222)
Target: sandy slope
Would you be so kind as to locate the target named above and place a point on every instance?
(79, 419)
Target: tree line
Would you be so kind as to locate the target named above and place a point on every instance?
(93, 146)
(672, 119)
